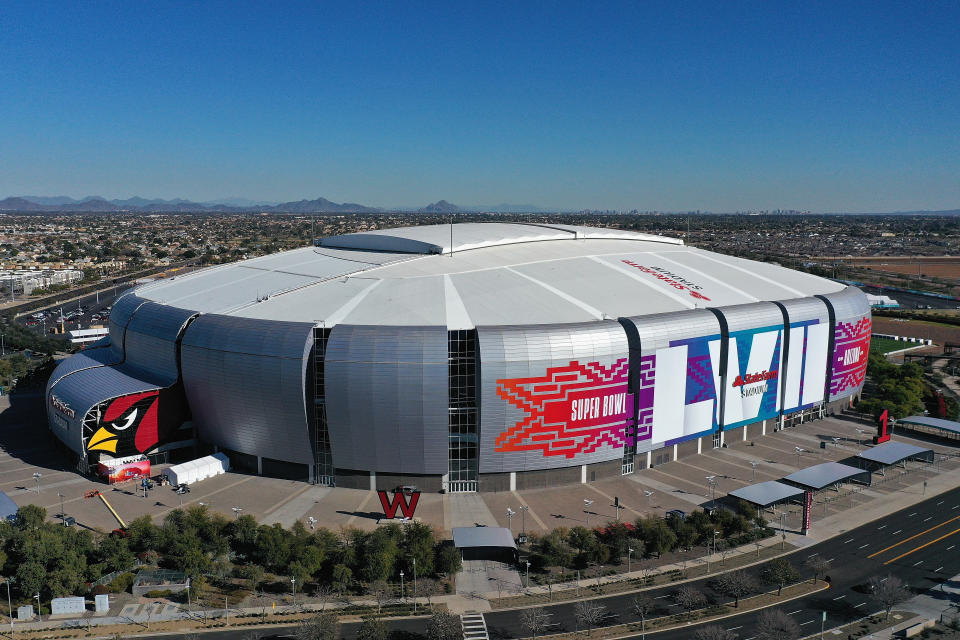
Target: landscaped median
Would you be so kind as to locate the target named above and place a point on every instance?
(698, 616)
(611, 585)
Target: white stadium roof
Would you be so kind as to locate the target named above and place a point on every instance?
(497, 274)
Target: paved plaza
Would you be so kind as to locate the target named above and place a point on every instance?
(26, 448)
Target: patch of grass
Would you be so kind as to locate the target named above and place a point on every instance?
(886, 345)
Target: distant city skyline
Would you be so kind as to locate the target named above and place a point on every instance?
(827, 107)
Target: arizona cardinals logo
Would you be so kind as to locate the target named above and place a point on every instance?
(573, 409)
(128, 420)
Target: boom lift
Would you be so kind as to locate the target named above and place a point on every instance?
(122, 531)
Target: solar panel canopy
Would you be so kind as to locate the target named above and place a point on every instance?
(826, 474)
(766, 493)
(894, 452)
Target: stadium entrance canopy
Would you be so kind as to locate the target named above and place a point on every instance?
(485, 543)
(934, 426)
(890, 453)
(765, 494)
(827, 474)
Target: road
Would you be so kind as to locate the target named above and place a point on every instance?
(913, 300)
(919, 544)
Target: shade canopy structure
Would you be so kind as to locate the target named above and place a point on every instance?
(485, 543)
(824, 475)
(937, 426)
(893, 452)
(8, 508)
(764, 494)
(473, 537)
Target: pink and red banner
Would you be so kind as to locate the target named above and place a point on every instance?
(573, 409)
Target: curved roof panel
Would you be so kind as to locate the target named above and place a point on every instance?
(498, 273)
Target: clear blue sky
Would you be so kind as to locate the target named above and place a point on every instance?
(833, 106)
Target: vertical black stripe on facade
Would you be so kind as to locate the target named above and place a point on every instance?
(178, 342)
(633, 371)
(831, 338)
(784, 354)
(724, 353)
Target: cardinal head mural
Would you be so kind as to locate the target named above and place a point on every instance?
(135, 423)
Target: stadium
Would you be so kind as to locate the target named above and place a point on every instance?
(465, 357)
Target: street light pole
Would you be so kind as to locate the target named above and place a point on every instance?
(414, 586)
(629, 553)
(510, 513)
(63, 516)
(9, 604)
(586, 503)
(36, 476)
(401, 585)
(293, 581)
(523, 519)
(528, 574)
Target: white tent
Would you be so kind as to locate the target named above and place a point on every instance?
(199, 469)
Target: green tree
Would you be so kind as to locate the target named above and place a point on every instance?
(114, 553)
(448, 560)
(30, 578)
(660, 537)
(342, 578)
(30, 516)
(143, 535)
(379, 556)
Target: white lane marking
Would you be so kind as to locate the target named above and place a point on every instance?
(859, 605)
(928, 518)
(829, 559)
(735, 628)
(881, 527)
(793, 612)
(813, 554)
(896, 532)
(863, 545)
(917, 562)
(938, 568)
(661, 597)
(848, 541)
(910, 515)
(954, 507)
(807, 622)
(840, 597)
(939, 503)
(951, 547)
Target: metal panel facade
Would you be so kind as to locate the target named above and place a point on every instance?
(552, 395)
(123, 310)
(150, 341)
(244, 382)
(387, 398)
(73, 395)
(676, 377)
(851, 342)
